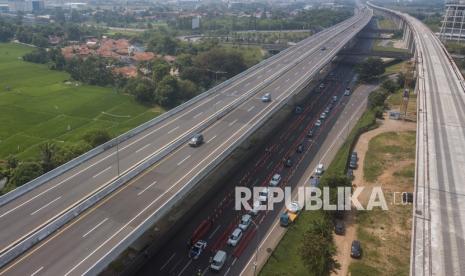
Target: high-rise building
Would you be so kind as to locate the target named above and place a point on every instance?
(453, 24)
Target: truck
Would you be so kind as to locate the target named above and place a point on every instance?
(290, 214)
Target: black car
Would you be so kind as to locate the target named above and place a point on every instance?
(353, 163)
(339, 228)
(354, 155)
(196, 140)
(350, 174)
(288, 162)
(310, 133)
(356, 249)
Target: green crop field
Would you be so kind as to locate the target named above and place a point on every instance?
(39, 105)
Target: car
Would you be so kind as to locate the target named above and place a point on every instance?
(327, 109)
(356, 249)
(323, 116)
(320, 169)
(263, 195)
(350, 174)
(310, 133)
(288, 162)
(300, 148)
(266, 98)
(353, 164)
(275, 180)
(218, 260)
(339, 227)
(256, 208)
(318, 123)
(334, 99)
(323, 48)
(347, 91)
(246, 220)
(330, 106)
(196, 140)
(354, 155)
(235, 237)
(322, 85)
(197, 249)
(314, 181)
(298, 110)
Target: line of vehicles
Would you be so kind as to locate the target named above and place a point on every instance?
(286, 218)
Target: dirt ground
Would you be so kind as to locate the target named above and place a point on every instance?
(343, 243)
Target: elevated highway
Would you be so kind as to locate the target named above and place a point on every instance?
(226, 116)
(438, 237)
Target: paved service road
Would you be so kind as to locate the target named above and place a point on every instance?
(81, 245)
(48, 201)
(439, 237)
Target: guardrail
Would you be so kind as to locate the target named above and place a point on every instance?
(83, 205)
(163, 210)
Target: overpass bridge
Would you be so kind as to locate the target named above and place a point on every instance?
(438, 237)
(79, 217)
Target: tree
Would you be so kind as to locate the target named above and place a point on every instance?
(317, 250)
(38, 55)
(11, 162)
(96, 137)
(160, 69)
(24, 173)
(6, 32)
(187, 89)
(47, 154)
(370, 68)
(390, 86)
(39, 40)
(166, 93)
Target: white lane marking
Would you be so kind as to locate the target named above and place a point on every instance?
(214, 232)
(182, 161)
(174, 129)
(287, 80)
(233, 122)
(297, 72)
(247, 84)
(227, 271)
(144, 147)
(198, 114)
(146, 188)
(233, 262)
(45, 206)
(185, 267)
(37, 271)
(101, 172)
(277, 88)
(168, 261)
(211, 139)
(220, 101)
(251, 108)
(95, 227)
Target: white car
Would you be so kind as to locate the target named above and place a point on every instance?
(323, 116)
(266, 98)
(256, 208)
(275, 180)
(347, 92)
(318, 123)
(263, 195)
(235, 237)
(320, 169)
(245, 222)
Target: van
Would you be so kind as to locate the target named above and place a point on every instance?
(218, 260)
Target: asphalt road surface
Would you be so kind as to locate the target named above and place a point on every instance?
(172, 258)
(439, 220)
(79, 246)
(45, 203)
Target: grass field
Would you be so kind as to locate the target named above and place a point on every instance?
(39, 105)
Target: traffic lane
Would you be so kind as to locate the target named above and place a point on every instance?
(81, 187)
(263, 175)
